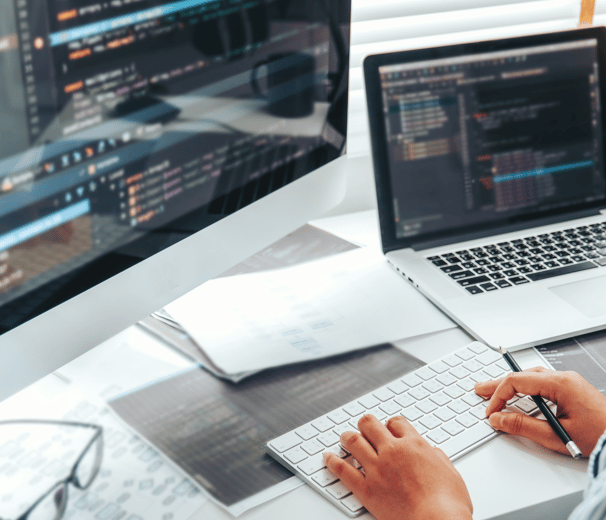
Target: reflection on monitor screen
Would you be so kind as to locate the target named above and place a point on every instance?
(126, 128)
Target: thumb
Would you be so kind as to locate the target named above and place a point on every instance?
(529, 427)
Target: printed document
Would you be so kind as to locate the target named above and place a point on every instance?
(329, 306)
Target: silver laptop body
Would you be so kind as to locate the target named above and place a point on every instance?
(491, 185)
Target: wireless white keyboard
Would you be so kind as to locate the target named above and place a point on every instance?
(438, 399)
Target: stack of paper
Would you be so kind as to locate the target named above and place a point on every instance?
(336, 304)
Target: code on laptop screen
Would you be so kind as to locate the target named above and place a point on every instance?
(487, 137)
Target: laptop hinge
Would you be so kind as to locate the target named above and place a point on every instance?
(444, 241)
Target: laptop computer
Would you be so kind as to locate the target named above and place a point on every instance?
(490, 178)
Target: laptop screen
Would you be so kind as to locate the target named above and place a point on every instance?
(492, 136)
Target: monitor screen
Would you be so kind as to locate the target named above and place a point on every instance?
(128, 125)
(491, 137)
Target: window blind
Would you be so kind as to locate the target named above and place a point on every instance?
(392, 25)
(599, 17)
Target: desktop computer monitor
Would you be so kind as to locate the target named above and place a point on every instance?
(148, 145)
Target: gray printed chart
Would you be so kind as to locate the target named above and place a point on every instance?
(583, 354)
(216, 430)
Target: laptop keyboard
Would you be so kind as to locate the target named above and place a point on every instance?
(438, 399)
(531, 259)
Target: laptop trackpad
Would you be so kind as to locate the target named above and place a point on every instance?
(587, 296)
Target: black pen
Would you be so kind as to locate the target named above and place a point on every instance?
(546, 411)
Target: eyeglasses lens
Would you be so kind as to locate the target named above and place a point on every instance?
(52, 507)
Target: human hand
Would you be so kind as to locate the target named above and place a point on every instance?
(581, 407)
(404, 477)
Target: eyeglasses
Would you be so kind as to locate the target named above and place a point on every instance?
(52, 505)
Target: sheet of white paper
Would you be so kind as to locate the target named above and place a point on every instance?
(134, 483)
(337, 304)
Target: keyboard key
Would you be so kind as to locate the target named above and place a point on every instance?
(418, 393)
(466, 282)
(451, 268)
(339, 430)
(354, 409)
(446, 379)
(338, 416)
(581, 266)
(438, 436)
(472, 399)
(493, 371)
(338, 490)
(306, 432)
(353, 462)
(411, 380)
(463, 440)
(473, 365)
(420, 428)
(445, 414)
(464, 354)
(412, 413)
(480, 377)
(425, 373)
(433, 386)
(312, 447)
(390, 408)
(368, 401)
(455, 392)
(426, 406)
(328, 438)
(352, 503)
(430, 422)
(452, 360)
(295, 455)
(440, 398)
(405, 400)
(467, 384)
(459, 372)
(383, 394)
(312, 464)
(439, 367)
(285, 442)
(488, 357)
(526, 405)
(397, 387)
(453, 428)
(479, 412)
(323, 424)
(458, 406)
(337, 450)
(489, 287)
(461, 274)
(467, 420)
(324, 477)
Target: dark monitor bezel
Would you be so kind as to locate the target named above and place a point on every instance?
(379, 144)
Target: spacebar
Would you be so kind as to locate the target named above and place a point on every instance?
(541, 275)
(466, 439)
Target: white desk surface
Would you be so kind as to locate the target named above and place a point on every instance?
(508, 478)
